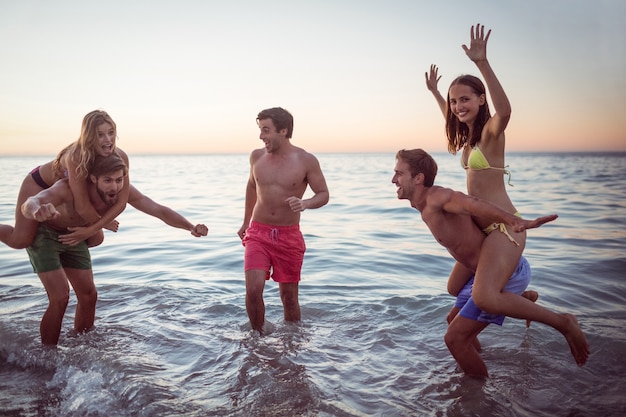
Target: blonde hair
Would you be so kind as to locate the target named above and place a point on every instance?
(83, 151)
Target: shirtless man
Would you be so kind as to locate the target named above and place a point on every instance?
(279, 175)
(56, 263)
(448, 215)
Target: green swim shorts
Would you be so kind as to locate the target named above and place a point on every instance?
(46, 253)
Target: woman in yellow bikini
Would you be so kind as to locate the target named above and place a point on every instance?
(480, 136)
(97, 138)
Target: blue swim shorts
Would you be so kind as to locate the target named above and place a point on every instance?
(517, 284)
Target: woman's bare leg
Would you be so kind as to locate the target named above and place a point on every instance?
(22, 234)
(497, 262)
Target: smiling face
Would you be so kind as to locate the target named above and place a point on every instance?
(403, 180)
(105, 139)
(465, 103)
(270, 136)
(98, 134)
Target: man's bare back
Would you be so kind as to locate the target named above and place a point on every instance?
(456, 232)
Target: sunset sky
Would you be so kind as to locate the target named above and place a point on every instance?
(190, 76)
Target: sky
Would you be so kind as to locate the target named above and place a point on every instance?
(190, 76)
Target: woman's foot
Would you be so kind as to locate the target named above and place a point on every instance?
(576, 339)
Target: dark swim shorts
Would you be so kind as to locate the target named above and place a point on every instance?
(46, 253)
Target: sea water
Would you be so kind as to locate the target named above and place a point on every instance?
(172, 336)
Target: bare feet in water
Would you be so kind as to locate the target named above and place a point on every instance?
(576, 339)
(573, 334)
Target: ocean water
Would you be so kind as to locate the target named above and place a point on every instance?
(172, 336)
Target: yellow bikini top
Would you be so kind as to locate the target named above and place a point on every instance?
(477, 161)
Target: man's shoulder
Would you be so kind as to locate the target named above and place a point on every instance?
(304, 154)
(437, 195)
(438, 191)
(257, 153)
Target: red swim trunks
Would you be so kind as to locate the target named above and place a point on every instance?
(280, 248)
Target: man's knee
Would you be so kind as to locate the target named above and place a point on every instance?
(59, 301)
(450, 317)
(254, 294)
(289, 296)
(290, 301)
(453, 340)
(454, 311)
(254, 298)
(88, 297)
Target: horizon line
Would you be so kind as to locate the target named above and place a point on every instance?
(577, 152)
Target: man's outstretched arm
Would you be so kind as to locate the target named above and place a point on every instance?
(172, 218)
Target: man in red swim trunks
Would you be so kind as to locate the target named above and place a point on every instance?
(279, 176)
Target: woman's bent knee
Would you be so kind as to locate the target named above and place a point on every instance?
(489, 303)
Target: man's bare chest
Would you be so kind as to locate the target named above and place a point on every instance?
(283, 175)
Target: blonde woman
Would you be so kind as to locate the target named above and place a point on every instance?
(97, 138)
